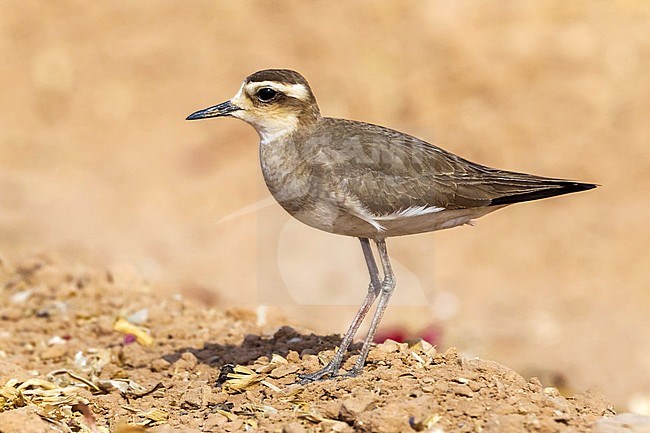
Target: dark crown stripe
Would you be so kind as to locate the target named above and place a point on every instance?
(285, 76)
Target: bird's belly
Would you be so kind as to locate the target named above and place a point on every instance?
(434, 221)
(326, 218)
(320, 208)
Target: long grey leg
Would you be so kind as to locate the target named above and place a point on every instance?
(374, 289)
(387, 288)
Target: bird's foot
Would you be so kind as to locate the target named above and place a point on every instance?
(330, 371)
(323, 374)
(349, 374)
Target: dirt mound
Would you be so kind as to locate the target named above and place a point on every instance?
(178, 366)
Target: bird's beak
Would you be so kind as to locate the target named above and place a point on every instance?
(220, 110)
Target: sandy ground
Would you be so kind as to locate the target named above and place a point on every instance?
(98, 166)
(63, 363)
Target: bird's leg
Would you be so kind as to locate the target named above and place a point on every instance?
(332, 368)
(387, 288)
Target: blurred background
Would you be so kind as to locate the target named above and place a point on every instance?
(98, 165)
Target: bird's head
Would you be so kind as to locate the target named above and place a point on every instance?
(274, 101)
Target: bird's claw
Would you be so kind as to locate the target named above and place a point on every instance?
(329, 372)
(323, 374)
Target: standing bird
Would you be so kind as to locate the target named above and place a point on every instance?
(357, 179)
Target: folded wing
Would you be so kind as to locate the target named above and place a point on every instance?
(394, 172)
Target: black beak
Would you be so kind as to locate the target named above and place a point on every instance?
(223, 109)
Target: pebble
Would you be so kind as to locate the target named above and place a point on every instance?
(21, 297)
(623, 423)
(187, 362)
(294, 427)
(338, 427)
(310, 362)
(474, 385)
(11, 314)
(442, 387)
(471, 409)
(535, 385)
(284, 370)
(192, 398)
(214, 422)
(293, 356)
(15, 421)
(54, 352)
(159, 365)
(352, 407)
(463, 390)
(390, 346)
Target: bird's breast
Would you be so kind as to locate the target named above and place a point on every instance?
(299, 184)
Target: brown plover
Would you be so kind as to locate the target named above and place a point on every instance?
(356, 179)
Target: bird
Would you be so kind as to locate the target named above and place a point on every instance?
(366, 181)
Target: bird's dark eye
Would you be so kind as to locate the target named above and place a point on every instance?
(266, 94)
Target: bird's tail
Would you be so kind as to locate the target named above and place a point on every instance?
(550, 189)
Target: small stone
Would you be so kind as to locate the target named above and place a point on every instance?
(21, 297)
(159, 365)
(378, 356)
(54, 352)
(526, 407)
(310, 362)
(235, 426)
(104, 325)
(506, 423)
(207, 396)
(294, 427)
(284, 370)
(338, 427)
(293, 356)
(463, 390)
(190, 359)
(124, 276)
(471, 409)
(214, 422)
(474, 385)
(331, 409)
(534, 384)
(17, 420)
(389, 346)
(187, 362)
(551, 391)
(623, 423)
(352, 407)
(11, 314)
(442, 387)
(9, 370)
(192, 398)
(451, 355)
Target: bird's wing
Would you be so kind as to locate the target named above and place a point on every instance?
(391, 172)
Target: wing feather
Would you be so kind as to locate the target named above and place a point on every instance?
(390, 172)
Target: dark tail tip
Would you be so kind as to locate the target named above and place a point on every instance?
(560, 188)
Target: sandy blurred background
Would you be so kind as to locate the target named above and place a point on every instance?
(98, 165)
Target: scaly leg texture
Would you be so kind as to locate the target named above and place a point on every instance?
(384, 290)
